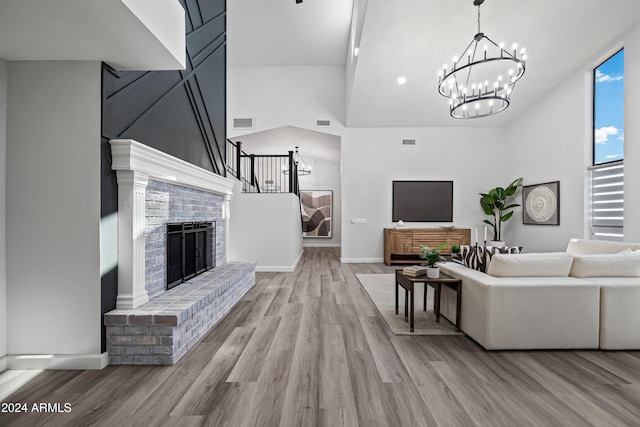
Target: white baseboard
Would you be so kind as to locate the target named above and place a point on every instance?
(57, 361)
(321, 245)
(280, 269)
(274, 269)
(361, 260)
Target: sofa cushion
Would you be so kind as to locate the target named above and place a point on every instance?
(553, 264)
(606, 265)
(585, 247)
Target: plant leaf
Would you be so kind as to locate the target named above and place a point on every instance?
(506, 216)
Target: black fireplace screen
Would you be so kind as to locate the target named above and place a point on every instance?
(190, 250)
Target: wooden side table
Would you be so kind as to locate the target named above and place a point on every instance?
(408, 283)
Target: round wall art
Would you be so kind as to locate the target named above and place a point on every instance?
(541, 203)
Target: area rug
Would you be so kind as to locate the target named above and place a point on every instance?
(381, 290)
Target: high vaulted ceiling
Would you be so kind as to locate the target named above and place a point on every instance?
(414, 38)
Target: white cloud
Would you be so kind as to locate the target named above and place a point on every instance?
(612, 156)
(604, 78)
(621, 137)
(602, 134)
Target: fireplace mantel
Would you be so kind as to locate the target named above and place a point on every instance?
(135, 164)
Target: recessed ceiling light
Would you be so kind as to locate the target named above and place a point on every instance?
(402, 80)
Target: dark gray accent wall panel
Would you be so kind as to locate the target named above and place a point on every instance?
(182, 113)
(179, 112)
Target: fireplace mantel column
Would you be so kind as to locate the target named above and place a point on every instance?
(132, 186)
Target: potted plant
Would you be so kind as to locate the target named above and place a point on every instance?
(455, 253)
(432, 257)
(495, 204)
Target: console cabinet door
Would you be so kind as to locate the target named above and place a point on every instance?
(436, 237)
(402, 242)
(429, 237)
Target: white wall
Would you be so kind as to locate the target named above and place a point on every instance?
(632, 136)
(3, 207)
(548, 143)
(278, 96)
(265, 228)
(325, 175)
(552, 141)
(373, 158)
(53, 208)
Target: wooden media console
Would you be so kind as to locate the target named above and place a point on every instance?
(402, 245)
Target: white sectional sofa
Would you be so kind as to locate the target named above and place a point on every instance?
(587, 297)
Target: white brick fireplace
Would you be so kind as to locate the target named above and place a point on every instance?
(135, 165)
(151, 325)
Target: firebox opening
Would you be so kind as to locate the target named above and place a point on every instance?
(190, 250)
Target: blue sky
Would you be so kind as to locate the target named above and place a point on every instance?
(609, 110)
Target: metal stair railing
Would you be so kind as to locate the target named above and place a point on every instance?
(262, 173)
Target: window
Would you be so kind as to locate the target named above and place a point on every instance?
(608, 110)
(607, 172)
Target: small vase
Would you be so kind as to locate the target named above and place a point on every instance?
(433, 272)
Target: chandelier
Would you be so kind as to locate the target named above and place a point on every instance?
(301, 166)
(480, 82)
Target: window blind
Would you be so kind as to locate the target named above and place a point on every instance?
(607, 201)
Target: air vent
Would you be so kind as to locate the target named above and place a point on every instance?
(268, 181)
(408, 142)
(323, 123)
(243, 123)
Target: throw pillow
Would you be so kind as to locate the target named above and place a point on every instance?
(606, 265)
(479, 257)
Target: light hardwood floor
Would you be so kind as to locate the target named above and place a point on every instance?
(308, 348)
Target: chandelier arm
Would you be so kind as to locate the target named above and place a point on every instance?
(466, 50)
(472, 60)
(502, 49)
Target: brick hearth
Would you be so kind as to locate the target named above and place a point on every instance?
(161, 331)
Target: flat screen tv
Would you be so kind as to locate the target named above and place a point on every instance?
(423, 201)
